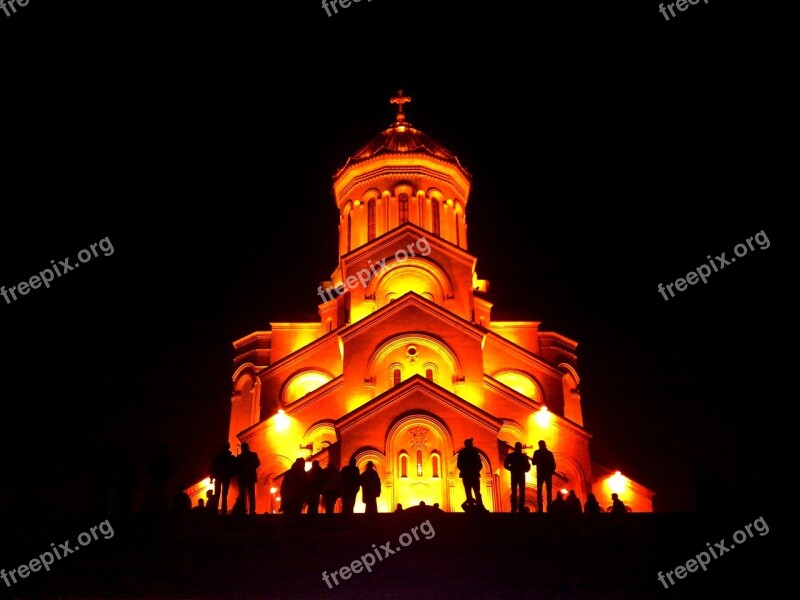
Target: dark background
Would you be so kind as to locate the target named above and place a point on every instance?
(611, 151)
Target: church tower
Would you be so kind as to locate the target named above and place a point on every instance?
(405, 362)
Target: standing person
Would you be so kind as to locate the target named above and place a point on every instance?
(574, 506)
(247, 474)
(293, 488)
(592, 506)
(314, 479)
(351, 483)
(469, 465)
(223, 467)
(518, 463)
(370, 489)
(331, 487)
(545, 464)
(211, 502)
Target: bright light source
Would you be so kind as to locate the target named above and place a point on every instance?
(617, 482)
(308, 466)
(281, 421)
(273, 489)
(563, 491)
(543, 417)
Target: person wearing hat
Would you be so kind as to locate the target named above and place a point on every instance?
(469, 465)
(518, 463)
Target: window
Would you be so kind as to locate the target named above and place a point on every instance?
(371, 219)
(396, 376)
(429, 374)
(403, 207)
(349, 231)
(435, 216)
(435, 465)
(404, 466)
(419, 463)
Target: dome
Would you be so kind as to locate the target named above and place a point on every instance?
(402, 137)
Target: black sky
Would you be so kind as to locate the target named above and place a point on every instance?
(610, 150)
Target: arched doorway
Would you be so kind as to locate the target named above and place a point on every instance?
(419, 449)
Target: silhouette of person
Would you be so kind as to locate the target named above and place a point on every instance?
(469, 465)
(181, 502)
(436, 508)
(370, 488)
(399, 508)
(574, 506)
(545, 464)
(558, 506)
(293, 488)
(211, 502)
(247, 473)
(617, 506)
(331, 487)
(201, 506)
(518, 463)
(314, 481)
(351, 483)
(592, 506)
(223, 468)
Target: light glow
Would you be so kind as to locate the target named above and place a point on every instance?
(617, 483)
(281, 421)
(543, 417)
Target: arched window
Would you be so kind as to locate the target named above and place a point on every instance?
(435, 216)
(349, 231)
(404, 466)
(371, 219)
(419, 463)
(435, 465)
(396, 376)
(429, 374)
(402, 203)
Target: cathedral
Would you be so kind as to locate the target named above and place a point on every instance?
(405, 362)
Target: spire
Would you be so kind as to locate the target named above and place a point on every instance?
(400, 99)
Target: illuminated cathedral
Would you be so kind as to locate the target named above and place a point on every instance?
(405, 361)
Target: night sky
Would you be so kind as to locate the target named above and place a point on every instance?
(610, 151)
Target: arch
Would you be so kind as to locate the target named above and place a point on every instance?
(570, 469)
(512, 432)
(245, 400)
(436, 463)
(370, 194)
(421, 275)
(520, 381)
(319, 433)
(422, 340)
(418, 436)
(301, 383)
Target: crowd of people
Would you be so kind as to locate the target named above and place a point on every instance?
(317, 489)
